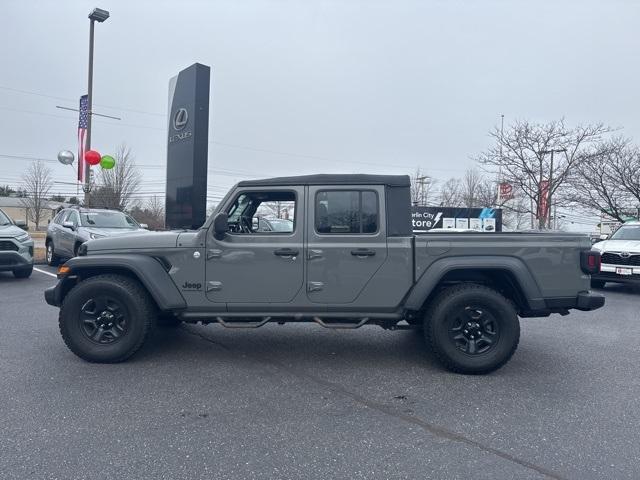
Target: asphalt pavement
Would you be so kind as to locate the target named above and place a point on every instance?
(298, 401)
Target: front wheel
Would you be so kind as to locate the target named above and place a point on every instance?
(472, 329)
(23, 272)
(52, 258)
(106, 318)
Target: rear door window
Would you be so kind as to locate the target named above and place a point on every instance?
(346, 212)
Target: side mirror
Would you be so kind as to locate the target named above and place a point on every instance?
(220, 224)
(69, 225)
(22, 224)
(144, 225)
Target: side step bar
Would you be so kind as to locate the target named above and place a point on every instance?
(347, 325)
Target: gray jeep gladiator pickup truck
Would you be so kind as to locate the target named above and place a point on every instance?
(350, 260)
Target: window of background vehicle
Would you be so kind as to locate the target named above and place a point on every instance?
(630, 232)
(4, 220)
(346, 212)
(263, 212)
(107, 220)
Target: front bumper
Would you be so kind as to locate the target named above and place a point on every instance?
(608, 273)
(53, 295)
(16, 259)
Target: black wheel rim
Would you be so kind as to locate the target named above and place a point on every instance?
(474, 329)
(103, 319)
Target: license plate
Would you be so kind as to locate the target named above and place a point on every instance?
(624, 271)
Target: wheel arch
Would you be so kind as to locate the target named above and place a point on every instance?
(508, 275)
(147, 270)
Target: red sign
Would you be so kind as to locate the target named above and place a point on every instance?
(543, 200)
(506, 191)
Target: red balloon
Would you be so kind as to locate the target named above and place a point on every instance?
(92, 157)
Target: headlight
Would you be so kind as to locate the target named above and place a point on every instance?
(93, 236)
(24, 237)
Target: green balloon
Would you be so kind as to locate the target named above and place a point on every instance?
(107, 162)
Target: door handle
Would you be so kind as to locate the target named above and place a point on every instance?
(286, 252)
(363, 252)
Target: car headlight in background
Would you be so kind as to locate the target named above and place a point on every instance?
(93, 236)
(23, 238)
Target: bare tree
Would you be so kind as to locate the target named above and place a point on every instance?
(451, 193)
(37, 183)
(521, 157)
(421, 188)
(607, 181)
(118, 185)
(150, 212)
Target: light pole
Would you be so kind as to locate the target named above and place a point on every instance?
(549, 187)
(97, 15)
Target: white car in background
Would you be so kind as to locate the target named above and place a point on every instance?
(620, 255)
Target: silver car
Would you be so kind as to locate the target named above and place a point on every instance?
(73, 226)
(16, 248)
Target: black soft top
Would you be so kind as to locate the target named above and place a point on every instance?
(331, 179)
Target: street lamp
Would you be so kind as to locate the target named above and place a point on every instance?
(97, 15)
(549, 193)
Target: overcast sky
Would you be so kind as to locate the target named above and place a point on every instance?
(314, 86)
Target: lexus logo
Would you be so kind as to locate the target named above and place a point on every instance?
(180, 119)
(625, 254)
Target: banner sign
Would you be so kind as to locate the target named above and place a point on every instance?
(424, 219)
(505, 192)
(543, 202)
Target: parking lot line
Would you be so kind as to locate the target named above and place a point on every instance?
(46, 273)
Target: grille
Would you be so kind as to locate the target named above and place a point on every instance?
(6, 245)
(615, 259)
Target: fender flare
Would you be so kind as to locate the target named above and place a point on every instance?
(429, 280)
(149, 271)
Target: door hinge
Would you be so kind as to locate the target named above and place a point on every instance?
(314, 254)
(214, 286)
(213, 253)
(315, 286)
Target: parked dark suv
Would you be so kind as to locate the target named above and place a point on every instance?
(73, 226)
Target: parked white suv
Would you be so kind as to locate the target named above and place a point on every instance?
(620, 256)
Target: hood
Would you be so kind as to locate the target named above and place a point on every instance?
(114, 232)
(134, 241)
(11, 231)
(631, 246)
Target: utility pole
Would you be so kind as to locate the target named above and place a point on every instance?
(500, 167)
(547, 212)
(97, 15)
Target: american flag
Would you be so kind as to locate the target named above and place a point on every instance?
(82, 135)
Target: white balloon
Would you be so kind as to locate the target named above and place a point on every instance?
(66, 157)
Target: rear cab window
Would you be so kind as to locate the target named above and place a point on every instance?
(346, 212)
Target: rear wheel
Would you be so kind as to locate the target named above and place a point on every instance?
(106, 318)
(597, 283)
(51, 257)
(472, 329)
(23, 272)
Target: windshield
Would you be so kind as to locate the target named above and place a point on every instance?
(279, 225)
(4, 220)
(107, 220)
(629, 232)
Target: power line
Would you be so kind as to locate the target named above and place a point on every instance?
(67, 99)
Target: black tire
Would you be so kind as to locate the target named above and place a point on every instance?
(597, 283)
(23, 272)
(472, 329)
(51, 257)
(106, 318)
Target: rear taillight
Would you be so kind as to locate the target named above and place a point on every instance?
(590, 261)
